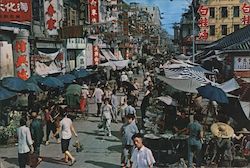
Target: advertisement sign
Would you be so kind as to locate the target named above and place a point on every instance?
(15, 11)
(6, 59)
(203, 22)
(93, 11)
(242, 63)
(246, 13)
(96, 56)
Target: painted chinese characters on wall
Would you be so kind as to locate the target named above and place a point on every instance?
(15, 11)
(203, 22)
(246, 13)
(96, 55)
(53, 15)
(93, 11)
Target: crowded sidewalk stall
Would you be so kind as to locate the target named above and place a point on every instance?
(186, 91)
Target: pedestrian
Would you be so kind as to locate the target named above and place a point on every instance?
(98, 94)
(123, 106)
(114, 103)
(106, 116)
(36, 128)
(128, 130)
(107, 93)
(130, 110)
(50, 125)
(25, 143)
(130, 75)
(142, 156)
(66, 128)
(84, 100)
(195, 131)
(136, 86)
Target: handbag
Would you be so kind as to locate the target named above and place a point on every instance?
(78, 146)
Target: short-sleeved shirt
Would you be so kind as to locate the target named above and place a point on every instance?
(24, 139)
(107, 111)
(85, 93)
(65, 124)
(142, 158)
(130, 110)
(98, 95)
(194, 131)
(128, 130)
(114, 101)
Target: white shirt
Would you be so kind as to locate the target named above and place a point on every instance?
(98, 95)
(65, 124)
(107, 111)
(124, 78)
(142, 158)
(24, 139)
(85, 93)
(114, 101)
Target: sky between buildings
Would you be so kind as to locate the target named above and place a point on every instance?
(171, 10)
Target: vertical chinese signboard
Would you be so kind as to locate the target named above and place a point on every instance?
(21, 55)
(53, 15)
(203, 22)
(246, 13)
(93, 11)
(96, 55)
(15, 11)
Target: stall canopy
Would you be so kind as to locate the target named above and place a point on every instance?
(108, 54)
(116, 65)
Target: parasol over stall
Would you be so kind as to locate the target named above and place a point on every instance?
(167, 100)
(6, 94)
(14, 84)
(67, 78)
(51, 82)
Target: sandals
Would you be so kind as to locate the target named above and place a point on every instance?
(72, 162)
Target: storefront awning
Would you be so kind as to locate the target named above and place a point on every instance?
(108, 54)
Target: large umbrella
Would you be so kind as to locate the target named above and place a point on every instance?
(32, 87)
(81, 73)
(6, 94)
(213, 93)
(67, 78)
(52, 82)
(74, 89)
(34, 79)
(14, 84)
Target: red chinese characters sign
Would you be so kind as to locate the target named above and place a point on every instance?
(22, 60)
(246, 14)
(93, 11)
(203, 22)
(15, 10)
(96, 56)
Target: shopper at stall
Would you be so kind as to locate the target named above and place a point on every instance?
(142, 156)
(127, 131)
(98, 94)
(36, 128)
(195, 131)
(25, 143)
(66, 128)
(181, 123)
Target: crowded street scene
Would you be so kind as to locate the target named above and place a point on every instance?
(124, 83)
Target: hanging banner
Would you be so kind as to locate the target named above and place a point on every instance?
(15, 11)
(96, 56)
(93, 11)
(53, 15)
(246, 13)
(203, 22)
(6, 59)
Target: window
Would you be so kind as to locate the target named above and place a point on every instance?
(224, 12)
(212, 12)
(236, 27)
(236, 11)
(212, 30)
(224, 29)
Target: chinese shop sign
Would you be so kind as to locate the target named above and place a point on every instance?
(53, 15)
(241, 63)
(203, 22)
(93, 11)
(15, 11)
(95, 55)
(21, 58)
(246, 13)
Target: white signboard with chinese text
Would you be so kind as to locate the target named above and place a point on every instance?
(242, 63)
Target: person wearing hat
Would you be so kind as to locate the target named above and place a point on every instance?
(223, 133)
(36, 129)
(66, 128)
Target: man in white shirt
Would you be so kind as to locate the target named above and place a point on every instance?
(98, 94)
(142, 157)
(66, 128)
(24, 143)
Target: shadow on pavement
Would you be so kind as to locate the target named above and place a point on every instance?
(115, 148)
(11, 160)
(105, 139)
(102, 164)
(52, 160)
(88, 133)
(117, 134)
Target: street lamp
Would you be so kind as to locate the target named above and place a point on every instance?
(193, 33)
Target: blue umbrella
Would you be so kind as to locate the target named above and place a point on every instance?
(32, 87)
(213, 93)
(67, 78)
(34, 79)
(52, 82)
(14, 84)
(6, 94)
(81, 73)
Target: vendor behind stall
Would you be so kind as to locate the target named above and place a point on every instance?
(181, 123)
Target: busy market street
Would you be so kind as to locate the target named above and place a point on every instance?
(124, 83)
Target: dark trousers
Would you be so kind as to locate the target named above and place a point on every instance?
(23, 159)
(99, 108)
(50, 127)
(37, 148)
